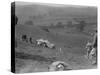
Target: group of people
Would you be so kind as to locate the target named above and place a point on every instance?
(27, 39)
(92, 49)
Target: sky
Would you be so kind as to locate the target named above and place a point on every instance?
(49, 4)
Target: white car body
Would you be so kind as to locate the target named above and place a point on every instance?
(40, 41)
(50, 45)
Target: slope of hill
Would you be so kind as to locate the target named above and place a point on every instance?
(72, 45)
(43, 13)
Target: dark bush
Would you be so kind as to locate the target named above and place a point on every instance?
(29, 22)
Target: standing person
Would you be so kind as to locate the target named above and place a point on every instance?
(89, 48)
(24, 38)
(30, 39)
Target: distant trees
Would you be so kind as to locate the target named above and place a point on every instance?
(69, 24)
(30, 22)
(80, 27)
(45, 29)
(51, 25)
(59, 24)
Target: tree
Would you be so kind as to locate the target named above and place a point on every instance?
(59, 24)
(69, 24)
(81, 26)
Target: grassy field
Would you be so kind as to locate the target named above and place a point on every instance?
(31, 58)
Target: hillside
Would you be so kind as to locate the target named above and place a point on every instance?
(45, 13)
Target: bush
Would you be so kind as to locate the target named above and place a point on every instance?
(59, 24)
(29, 22)
(81, 26)
(69, 24)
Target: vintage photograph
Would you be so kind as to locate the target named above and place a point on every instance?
(53, 37)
